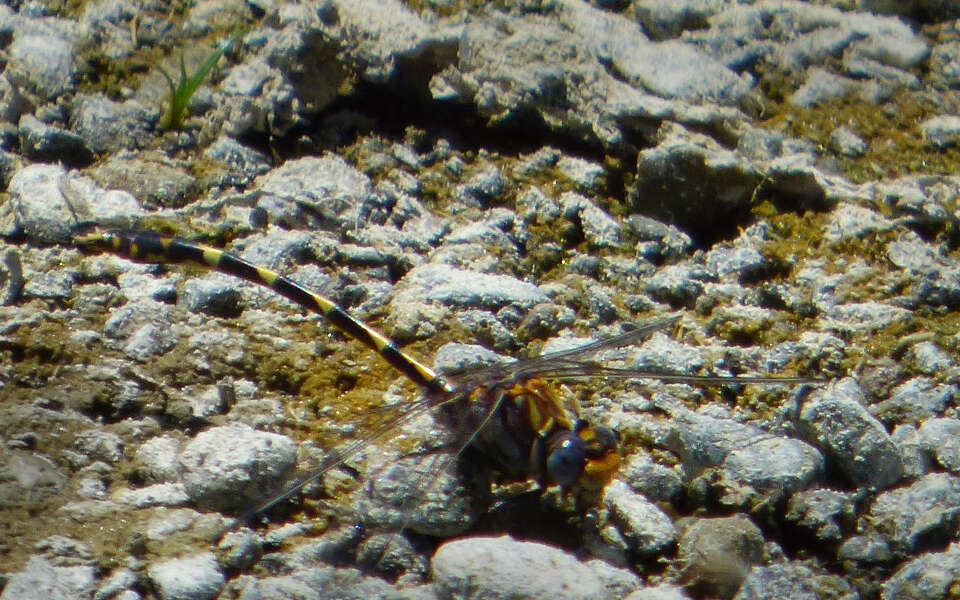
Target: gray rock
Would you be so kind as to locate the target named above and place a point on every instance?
(483, 232)
(239, 549)
(599, 228)
(47, 202)
(143, 326)
(323, 582)
(326, 186)
(548, 67)
(533, 206)
(40, 207)
(156, 181)
(911, 252)
(215, 294)
(664, 591)
(834, 419)
(878, 74)
(775, 465)
(100, 445)
(670, 69)
(663, 354)
(90, 510)
(945, 63)
(92, 488)
(411, 493)
(53, 285)
(257, 98)
(486, 184)
(12, 281)
(40, 580)
(941, 438)
(677, 284)
(718, 181)
(648, 529)
(941, 132)
(823, 513)
(450, 286)
(118, 586)
(63, 551)
(234, 467)
(910, 196)
(491, 568)
(43, 60)
(167, 523)
(43, 142)
(243, 162)
(794, 581)
(676, 70)
(196, 577)
(796, 175)
(586, 174)
(655, 481)
(928, 358)
(849, 221)
(915, 400)
(865, 549)
(822, 86)
(109, 126)
(388, 553)
(920, 515)
(160, 494)
(12, 103)
(704, 441)
(931, 576)
(893, 43)
(916, 460)
(813, 47)
(717, 554)
(939, 288)
(458, 358)
(664, 19)
(197, 403)
(863, 316)
(668, 241)
(847, 143)
(487, 328)
(379, 34)
(741, 261)
(28, 480)
(283, 587)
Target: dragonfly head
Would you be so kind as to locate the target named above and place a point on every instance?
(585, 456)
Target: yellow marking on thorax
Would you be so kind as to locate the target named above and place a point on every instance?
(544, 411)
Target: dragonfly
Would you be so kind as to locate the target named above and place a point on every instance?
(513, 413)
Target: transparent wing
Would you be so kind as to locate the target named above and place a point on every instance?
(423, 485)
(581, 371)
(391, 419)
(572, 358)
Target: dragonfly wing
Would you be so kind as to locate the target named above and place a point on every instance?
(423, 494)
(582, 371)
(569, 357)
(392, 419)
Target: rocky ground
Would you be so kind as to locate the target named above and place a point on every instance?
(483, 179)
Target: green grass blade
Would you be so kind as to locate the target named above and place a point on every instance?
(181, 93)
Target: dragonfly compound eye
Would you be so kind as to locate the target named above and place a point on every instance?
(565, 459)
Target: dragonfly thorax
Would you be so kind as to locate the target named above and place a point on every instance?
(531, 434)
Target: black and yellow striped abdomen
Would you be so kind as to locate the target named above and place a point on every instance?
(155, 248)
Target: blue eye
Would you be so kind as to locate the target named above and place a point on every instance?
(565, 460)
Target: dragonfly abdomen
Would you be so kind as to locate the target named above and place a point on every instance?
(154, 248)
